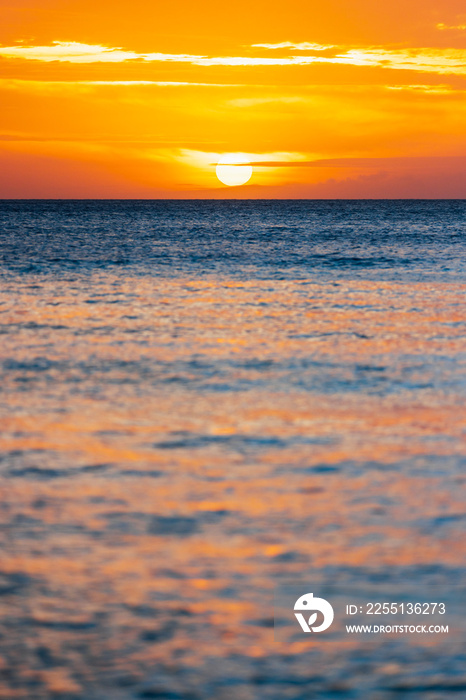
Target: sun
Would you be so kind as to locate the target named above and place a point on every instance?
(233, 169)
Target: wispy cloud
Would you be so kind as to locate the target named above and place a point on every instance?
(74, 52)
(209, 159)
(368, 162)
(22, 84)
(257, 101)
(303, 46)
(450, 27)
(71, 51)
(286, 159)
(440, 61)
(426, 89)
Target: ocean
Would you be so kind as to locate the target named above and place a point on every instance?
(209, 404)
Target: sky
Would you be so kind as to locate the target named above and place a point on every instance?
(141, 99)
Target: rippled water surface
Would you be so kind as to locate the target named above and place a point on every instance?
(202, 401)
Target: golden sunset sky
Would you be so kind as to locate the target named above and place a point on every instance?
(342, 98)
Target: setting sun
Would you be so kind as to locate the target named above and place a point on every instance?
(232, 170)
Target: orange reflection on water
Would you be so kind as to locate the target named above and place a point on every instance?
(176, 448)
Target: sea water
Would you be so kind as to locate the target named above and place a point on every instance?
(205, 401)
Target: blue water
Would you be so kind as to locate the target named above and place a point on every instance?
(411, 239)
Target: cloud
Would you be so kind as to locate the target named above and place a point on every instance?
(76, 52)
(303, 46)
(71, 51)
(206, 159)
(368, 162)
(426, 89)
(257, 101)
(440, 61)
(450, 27)
(47, 85)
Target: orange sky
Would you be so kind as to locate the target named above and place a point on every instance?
(337, 99)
